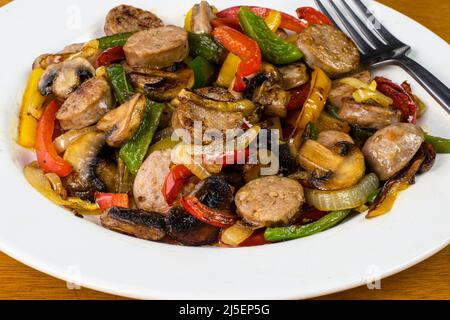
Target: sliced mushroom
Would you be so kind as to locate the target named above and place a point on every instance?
(333, 161)
(216, 94)
(63, 78)
(294, 75)
(137, 223)
(122, 123)
(86, 105)
(188, 230)
(159, 84)
(215, 193)
(202, 15)
(83, 155)
(273, 98)
(390, 149)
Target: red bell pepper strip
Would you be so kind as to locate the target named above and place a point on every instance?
(108, 200)
(403, 100)
(313, 16)
(256, 239)
(109, 56)
(299, 96)
(287, 21)
(47, 157)
(221, 22)
(245, 48)
(174, 182)
(214, 217)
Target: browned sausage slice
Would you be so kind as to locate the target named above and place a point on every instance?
(270, 201)
(125, 18)
(390, 149)
(84, 107)
(159, 47)
(150, 180)
(368, 115)
(330, 49)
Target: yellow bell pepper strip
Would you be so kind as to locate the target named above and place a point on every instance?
(228, 71)
(313, 107)
(187, 20)
(32, 108)
(292, 39)
(32, 97)
(236, 234)
(274, 49)
(38, 180)
(273, 20)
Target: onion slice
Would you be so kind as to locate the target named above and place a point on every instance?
(343, 199)
(64, 141)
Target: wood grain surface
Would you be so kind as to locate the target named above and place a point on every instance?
(427, 280)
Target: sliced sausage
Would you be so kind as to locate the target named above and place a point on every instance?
(390, 149)
(188, 113)
(126, 18)
(270, 201)
(294, 75)
(330, 49)
(150, 180)
(340, 90)
(202, 14)
(84, 107)
(368, 115)
(159, 47)
(137, 223)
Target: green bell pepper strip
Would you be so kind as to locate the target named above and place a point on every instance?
(203, 71)
(134, 152)
(295, 232)
(117, 40)
(205, 46)
(441, 145)
(273, 48)
(121, 84)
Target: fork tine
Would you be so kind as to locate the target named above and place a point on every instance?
(363, 26)
(378, 27)
(354, 34)
(325, 11)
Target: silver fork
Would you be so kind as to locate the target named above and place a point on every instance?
(377, 45)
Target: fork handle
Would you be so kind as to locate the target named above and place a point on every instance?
(433, 85)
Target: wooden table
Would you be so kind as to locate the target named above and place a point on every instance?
(428, 280)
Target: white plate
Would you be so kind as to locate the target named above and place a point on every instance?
(50, 239)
